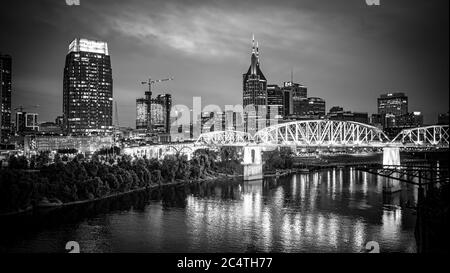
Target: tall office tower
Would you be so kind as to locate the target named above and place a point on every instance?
(316, 107)
(88, 88)
(166, 101)
(160, 108)
(275, 100)
(295, 94)
(393, 104)
(5, 97)
(141, 113)
(255, 93)
(157, 117)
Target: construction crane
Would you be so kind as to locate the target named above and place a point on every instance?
(20, 110)
(21, 107)
(150, 82)
(148, 98)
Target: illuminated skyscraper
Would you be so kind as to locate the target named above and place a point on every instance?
(294, 98)
(5, 97)
(141, 113)
(88, 90)
(160, 108)
(275, 100)
(158, 117)
(255, 93)
(316, 107)
(393, 103)
(165, 100)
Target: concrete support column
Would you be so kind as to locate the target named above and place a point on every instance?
(391, 159)
(391, 156)
(252, 163)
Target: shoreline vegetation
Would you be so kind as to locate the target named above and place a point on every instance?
(36, 183)
(39, 184)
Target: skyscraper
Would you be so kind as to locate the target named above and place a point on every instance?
(141, 113)
(275, 100)
(88, 90)
(295, 95)
(165, 100)
(316, 107)
(393, 103)
(254, 93)
(5, 96)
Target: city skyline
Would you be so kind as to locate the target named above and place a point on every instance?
(332, 63)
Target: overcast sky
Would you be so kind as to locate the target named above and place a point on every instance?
(344, 51)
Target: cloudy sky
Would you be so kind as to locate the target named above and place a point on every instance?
(344, 51)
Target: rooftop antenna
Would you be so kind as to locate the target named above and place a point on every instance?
(292, 75)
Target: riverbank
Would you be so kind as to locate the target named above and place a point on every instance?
(56, 205)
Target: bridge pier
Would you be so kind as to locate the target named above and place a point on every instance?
(252, 163)
(391, 159)
(391, 156)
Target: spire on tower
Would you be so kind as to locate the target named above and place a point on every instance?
(257, 51)
(253, 43)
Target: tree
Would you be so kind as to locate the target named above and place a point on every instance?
(19, 162)
(57, 158)
(169, 168)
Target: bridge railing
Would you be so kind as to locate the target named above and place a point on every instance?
(435, 136)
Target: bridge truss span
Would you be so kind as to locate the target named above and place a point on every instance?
(224, 138)
(436, 135)
(322, 133)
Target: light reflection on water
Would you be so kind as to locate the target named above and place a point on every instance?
(337, 210)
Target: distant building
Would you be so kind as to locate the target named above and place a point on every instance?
(26, 123)
(275, 101)
(5, 97)
(50, 128)
(316, 107)
(83, 144)
(60, 121)
(443, 119)
(336, 110)
(393, 103)
(141, 113)
(295, 95)
(161, 107)
(377, 120)
(361, 117)
(88, 88)
(157, 117)
(338, 113)
(410, 120)
(395, 124)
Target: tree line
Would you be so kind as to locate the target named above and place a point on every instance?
(26, 182)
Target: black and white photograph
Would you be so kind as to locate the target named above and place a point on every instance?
(218, 127)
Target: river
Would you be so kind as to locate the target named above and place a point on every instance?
(336, 210)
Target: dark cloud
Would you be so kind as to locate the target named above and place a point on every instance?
(344, 51)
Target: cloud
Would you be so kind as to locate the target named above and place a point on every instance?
(210, 31)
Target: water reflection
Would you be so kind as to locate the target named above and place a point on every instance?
(336, 210)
